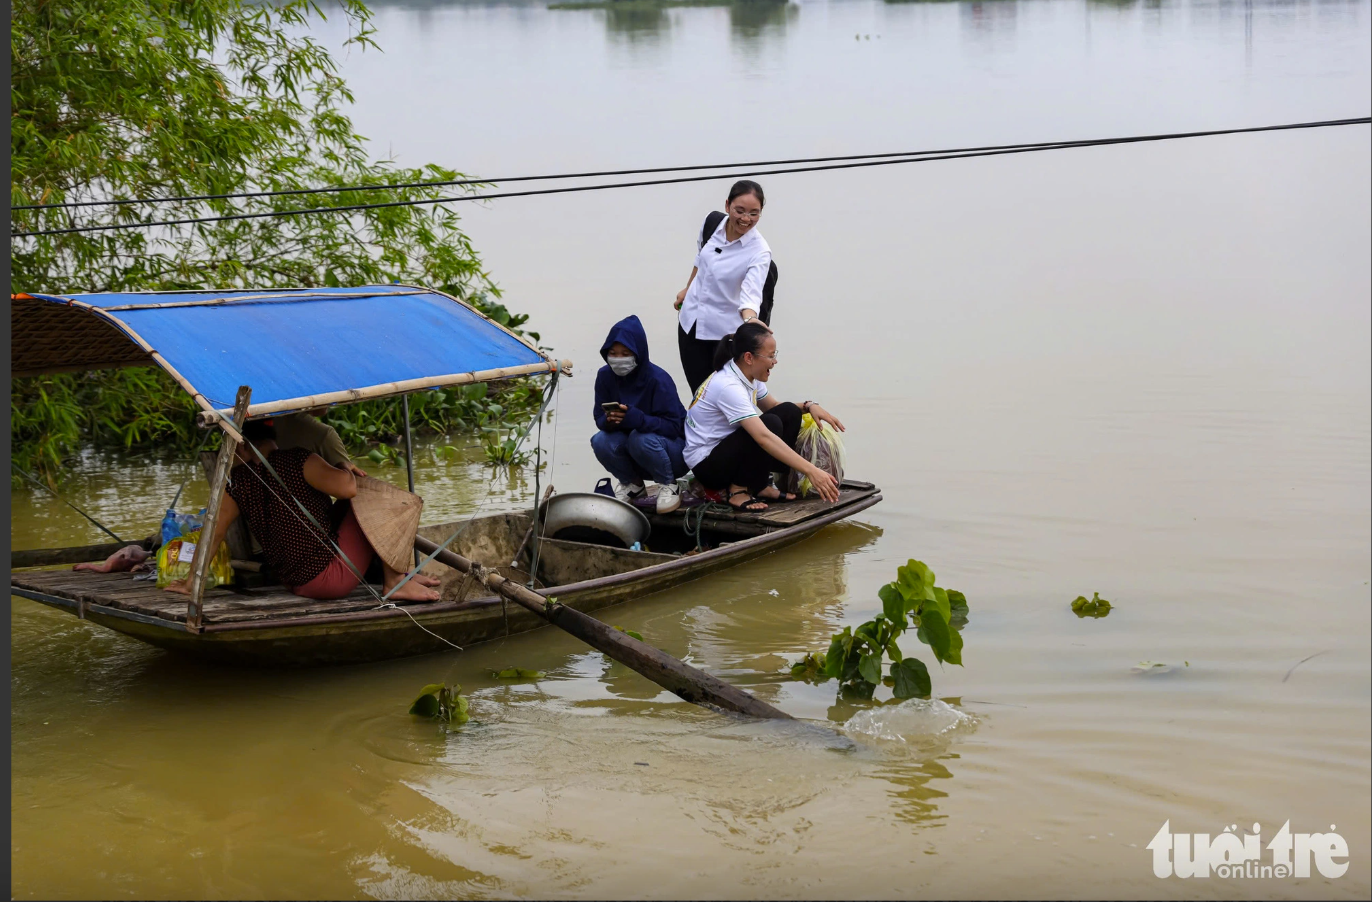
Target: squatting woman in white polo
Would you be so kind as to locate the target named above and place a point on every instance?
(738, 434)
(725, 288)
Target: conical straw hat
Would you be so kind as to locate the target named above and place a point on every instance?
(389, 517)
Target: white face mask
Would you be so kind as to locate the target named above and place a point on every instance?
(622, 366)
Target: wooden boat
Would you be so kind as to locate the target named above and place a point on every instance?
(268, 626)
(212, 342)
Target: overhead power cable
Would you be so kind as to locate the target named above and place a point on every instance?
(873, 160)
(337, 189)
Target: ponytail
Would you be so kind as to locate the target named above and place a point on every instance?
(724, 351)
(748, 339)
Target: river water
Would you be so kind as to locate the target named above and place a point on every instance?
(1142, 371)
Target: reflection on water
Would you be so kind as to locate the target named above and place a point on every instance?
(913, 793)
(648, 21)
(752, 21)
(637, 22)
(989, 21)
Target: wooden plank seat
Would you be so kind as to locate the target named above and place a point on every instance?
(122, 592)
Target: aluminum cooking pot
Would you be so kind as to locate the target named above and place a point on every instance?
(597, 519)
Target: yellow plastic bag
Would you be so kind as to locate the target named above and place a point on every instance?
(821, 445)
(174, 560)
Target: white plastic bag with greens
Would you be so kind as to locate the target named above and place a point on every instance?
(821, 445)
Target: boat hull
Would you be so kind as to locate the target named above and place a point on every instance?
(373, 633)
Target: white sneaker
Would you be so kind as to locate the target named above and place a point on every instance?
(668, 498)
(626, 492)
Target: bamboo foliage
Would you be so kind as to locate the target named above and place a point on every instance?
(118, 99)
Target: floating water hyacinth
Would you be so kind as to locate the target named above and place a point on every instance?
(1093, 607)
(441, 703)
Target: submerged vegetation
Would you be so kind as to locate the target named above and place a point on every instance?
(855, 656)
(122, 99)
(516, 673)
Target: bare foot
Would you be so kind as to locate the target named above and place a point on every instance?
(412, 592)
(181, 586)
(432, 582)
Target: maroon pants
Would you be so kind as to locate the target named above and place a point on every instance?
(338, 579)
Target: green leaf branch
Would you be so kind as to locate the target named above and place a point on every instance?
(857, 655)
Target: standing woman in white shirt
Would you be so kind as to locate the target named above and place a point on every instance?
(725, 288)
(738, 434)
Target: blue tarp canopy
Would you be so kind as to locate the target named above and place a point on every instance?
(295, 348)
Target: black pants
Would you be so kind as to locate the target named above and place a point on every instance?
(697, 356)
(740, 460)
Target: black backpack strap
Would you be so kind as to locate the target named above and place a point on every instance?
(711, 223)
(769, 288)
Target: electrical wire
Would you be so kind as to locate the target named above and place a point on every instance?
(868, 160)
(336, 189)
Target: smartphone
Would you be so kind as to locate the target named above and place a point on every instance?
(609, 406)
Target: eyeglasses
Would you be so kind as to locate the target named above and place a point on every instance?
(744, 214)
(772, 356)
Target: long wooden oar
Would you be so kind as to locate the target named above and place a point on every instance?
(695, 686)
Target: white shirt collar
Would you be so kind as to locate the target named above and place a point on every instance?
(738, 373)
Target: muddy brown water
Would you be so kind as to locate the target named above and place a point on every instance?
(1139, 371)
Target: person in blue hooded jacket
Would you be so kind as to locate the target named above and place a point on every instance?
(642, 425)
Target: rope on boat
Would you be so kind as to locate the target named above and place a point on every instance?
(391, 604)
(698, 515)
(450, 183)
(876, 160)
(538, 466)
(49, 489)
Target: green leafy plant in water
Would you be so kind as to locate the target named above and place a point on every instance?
(517, 673)
(810, 668)
(1093, 607)
(385, 454)
(631, 633)
(503, 450)
(856, 656)
(439, 702)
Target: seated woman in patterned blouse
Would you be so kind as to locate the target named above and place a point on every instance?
(302, 557)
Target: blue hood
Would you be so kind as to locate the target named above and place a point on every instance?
(648, 391)
(628, 332)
